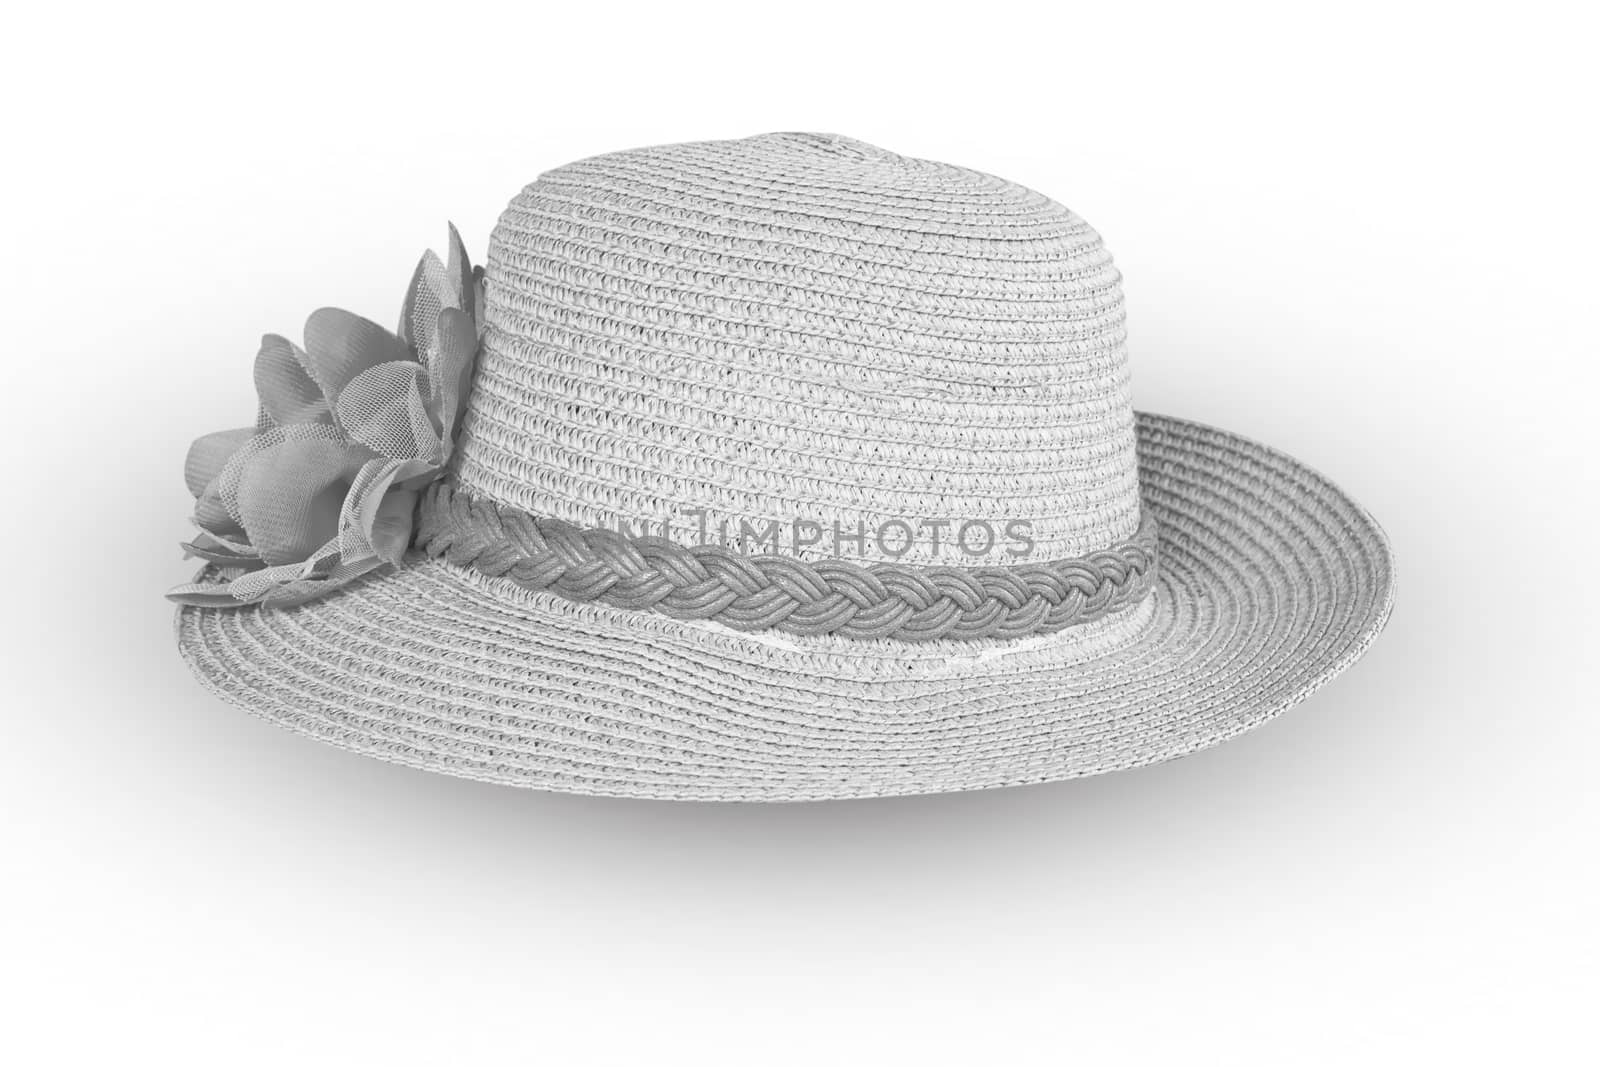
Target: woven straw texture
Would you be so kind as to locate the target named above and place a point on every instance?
(1272, 581)
(803, 327)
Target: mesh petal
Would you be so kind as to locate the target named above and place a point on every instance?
(339, 346)
(290, 496)
(227, 483)
(211, 514)
(367, 504)
(451, 372)
(209, 454)
(285, 388)
(461, 274)
(384, 410)
(430, 293)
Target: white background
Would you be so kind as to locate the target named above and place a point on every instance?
(1364, 235)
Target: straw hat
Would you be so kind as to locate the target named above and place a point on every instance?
(783, 468)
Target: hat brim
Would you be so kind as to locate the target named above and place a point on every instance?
(1272, 582)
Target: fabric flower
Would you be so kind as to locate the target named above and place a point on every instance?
(324, 487)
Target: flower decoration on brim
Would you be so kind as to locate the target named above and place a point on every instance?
(324, 487)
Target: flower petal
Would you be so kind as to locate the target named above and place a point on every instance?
(393, 524)
(460, 272)
(289, 496)
(451, 371)
(223, 550)
(479, 283)
(211, 514)
(374, 524)
(205, 595)
(430, 293)
(279, 587)
(227, 483)
(384, 410)
(340, 346)
(288, 394)
(209, 454)
(262, 585)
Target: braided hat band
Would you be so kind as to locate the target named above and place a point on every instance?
(775, 592)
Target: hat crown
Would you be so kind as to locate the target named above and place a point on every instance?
(802, 328)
